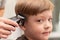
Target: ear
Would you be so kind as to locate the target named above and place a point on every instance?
(23, 28)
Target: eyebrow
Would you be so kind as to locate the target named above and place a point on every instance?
(43, 17)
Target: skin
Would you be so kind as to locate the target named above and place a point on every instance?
(1, 12)
(38, 27)
(6, 26)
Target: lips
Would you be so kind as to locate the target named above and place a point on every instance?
(46, 33)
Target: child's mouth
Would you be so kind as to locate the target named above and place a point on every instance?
(46, 33)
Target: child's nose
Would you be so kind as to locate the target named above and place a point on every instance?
(47, 25)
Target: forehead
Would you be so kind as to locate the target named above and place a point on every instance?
(45, 14)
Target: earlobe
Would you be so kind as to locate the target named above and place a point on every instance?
(23, 28)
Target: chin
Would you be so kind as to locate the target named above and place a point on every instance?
(45, 38)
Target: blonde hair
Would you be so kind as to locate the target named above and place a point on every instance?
(33, 7)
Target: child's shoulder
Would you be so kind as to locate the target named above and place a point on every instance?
(22, 38)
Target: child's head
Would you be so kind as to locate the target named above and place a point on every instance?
(38, 13)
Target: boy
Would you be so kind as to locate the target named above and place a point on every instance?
(37, 21)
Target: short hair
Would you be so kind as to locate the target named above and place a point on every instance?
(33, 7)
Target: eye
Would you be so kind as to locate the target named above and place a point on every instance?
(40, 20)
(50, 19)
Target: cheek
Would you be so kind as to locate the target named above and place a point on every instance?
(51, 27)
(34, 29)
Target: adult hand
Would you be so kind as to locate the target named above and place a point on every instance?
(6, 26)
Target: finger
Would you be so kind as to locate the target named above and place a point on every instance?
(6, 26)
(8, 21)
(3, 36)
(5, 32)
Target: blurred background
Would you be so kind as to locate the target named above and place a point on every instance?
(9, 12)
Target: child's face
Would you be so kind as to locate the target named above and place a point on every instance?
(39, 26)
